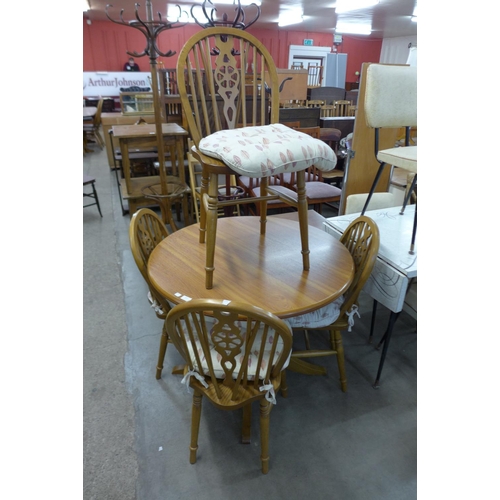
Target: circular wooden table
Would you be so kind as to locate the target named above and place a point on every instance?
(265, 271)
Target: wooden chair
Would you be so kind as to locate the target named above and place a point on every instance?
(362, 239)
(235, 360)
(317, 190)
(91, 130)
(391, 102)
(293, 104)
(90, 181)
(146, 230)
(327, 110)
(315, 103)
(342, 108)
(215, 98)
(297, 65)
(314, 75)
(330, 135)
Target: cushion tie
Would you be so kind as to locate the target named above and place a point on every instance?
(350, 315)
(155, 304)
(196, 375)
(270, 394)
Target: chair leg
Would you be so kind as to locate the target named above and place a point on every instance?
(340, 359)
(116, 169)
(163, 350)
(203, 208)
(303, 224)
(385, 339)
(247, 424)
(374, 185)
(306, 340)
(414, 232)
(408, 194)
(372, 324)
(99, 139)
(96, 199)
(211, 228)
(195, 426)
(284, 385)
(265, 410)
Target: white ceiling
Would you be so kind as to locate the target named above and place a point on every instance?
(390, 18)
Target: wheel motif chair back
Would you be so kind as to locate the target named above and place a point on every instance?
(230, 81)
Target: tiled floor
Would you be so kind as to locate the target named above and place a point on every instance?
(323, 443)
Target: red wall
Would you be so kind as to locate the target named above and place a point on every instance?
(359, 50)
(105, 45)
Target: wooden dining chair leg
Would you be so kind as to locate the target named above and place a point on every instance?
(195, 425)
(211, 228)
(265, 410)
(163, 350)
(284, 384)
(246, 429)
(303, 223)
(337, 337)
(264, 183)
(306, 339)
(203, 208)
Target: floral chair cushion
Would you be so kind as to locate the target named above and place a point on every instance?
(322, 317)
(267, 150)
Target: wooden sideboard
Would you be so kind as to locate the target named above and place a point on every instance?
(308, 117)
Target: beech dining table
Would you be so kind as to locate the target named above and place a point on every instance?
(266, 271)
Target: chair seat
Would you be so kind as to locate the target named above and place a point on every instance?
(400, 157)
(320, 190)
(324, 316)
(330, 134)
(263, 151)
(88, 180)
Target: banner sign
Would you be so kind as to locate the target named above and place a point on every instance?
(108, 84)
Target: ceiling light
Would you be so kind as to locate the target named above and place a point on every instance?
(348, 5)
(288, 17)
(353, 28)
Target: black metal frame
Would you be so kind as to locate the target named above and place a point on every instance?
(92, 195)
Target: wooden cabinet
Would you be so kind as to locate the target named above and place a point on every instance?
(308, 117)
(137, 103)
